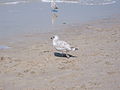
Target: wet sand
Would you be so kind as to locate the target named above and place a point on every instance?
(33, 64)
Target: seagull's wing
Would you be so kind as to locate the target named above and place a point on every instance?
(63, 45)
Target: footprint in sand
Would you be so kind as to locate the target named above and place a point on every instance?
(108, 63)
(111, 72)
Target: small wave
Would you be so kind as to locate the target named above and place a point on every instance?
(84, 2)
(112, 2)
(81, 2)
(61, 1)
(13, 3)
(102, 3)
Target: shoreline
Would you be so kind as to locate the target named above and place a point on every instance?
(32, 63)
(58, 28)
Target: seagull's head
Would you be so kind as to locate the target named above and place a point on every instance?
(55, 37)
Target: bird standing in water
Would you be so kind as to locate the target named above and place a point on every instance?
(53, 5)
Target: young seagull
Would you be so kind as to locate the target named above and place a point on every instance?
(62, 45)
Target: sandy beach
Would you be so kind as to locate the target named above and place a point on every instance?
(33, 64)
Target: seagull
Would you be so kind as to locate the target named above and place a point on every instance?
(62, 45)
(53, 5)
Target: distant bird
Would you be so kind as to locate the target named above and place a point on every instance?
(53, 5)
(62, 45)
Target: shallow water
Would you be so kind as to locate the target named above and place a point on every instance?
(27, 16)
(4, 47)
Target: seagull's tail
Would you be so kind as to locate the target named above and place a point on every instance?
(73, 49)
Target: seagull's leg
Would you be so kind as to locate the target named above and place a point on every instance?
(62, 54)
(67, 55)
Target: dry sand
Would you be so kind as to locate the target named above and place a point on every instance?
(33, 64)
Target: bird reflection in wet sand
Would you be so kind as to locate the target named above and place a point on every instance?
(54, 17)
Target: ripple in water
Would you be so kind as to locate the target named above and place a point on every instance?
(82, 2)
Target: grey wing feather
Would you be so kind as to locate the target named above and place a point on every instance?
(63, 44)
